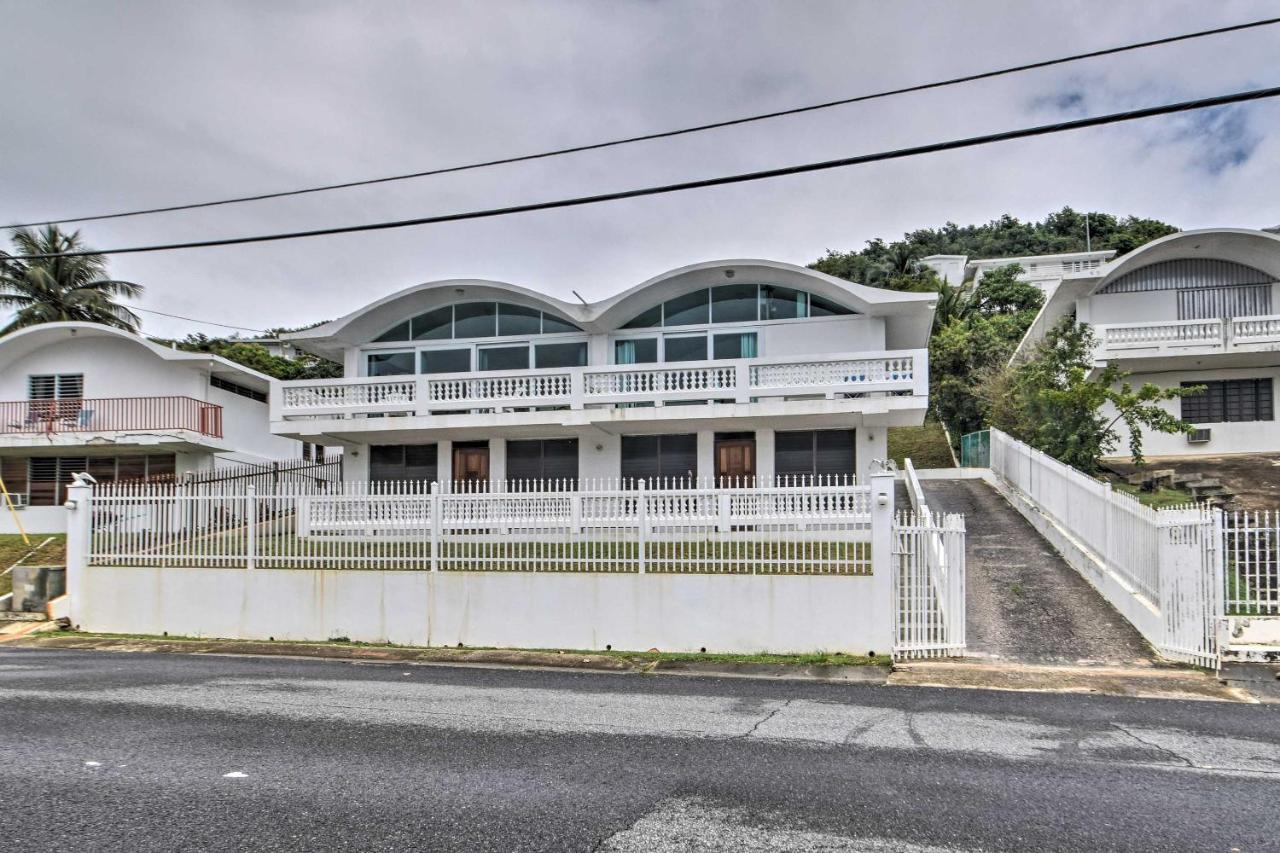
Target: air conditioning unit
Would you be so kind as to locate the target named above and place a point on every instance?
(1199, 436)
(20, 500)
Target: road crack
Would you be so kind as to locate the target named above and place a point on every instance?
(760, 722)
(1164, 750)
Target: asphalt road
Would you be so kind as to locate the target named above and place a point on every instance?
(118, 751)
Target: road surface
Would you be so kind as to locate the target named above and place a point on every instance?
(120, 751)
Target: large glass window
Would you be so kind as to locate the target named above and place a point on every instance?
(734, 303)
(390, 363)
(504, 358)
(398, 332)
(819, 307)
(685, 348)
(735, 345)
(434, 325)
(687, 310)
(646, 320)
(391, 462)
(553, 325)
(518, 320)
(782, 303)
(550, 461)
(561, 355)
(446, 360)
(475, 319)
(635, 351)
(809, 453)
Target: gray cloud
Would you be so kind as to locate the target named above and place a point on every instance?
(160, 102)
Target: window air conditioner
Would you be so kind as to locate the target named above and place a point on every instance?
(1198, 436)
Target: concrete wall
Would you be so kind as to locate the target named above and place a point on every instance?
(34, 519)
(682, 613)
(1235, 437)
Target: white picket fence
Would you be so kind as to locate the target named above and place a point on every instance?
(1172, 558)
(546, 526)
(929, 579)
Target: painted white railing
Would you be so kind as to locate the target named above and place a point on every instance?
(549, 526)
(1173, 335)
(739, 380)
(1169, 561)
(1249, 330)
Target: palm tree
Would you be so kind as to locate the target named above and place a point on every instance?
(48, 290)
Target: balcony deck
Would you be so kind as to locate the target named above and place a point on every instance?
(606, 389)
(80, 420)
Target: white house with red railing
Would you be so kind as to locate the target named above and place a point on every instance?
(741, 371)
(85, 397)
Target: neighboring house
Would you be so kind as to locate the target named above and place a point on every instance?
(745, 369)
(1193, 308)
(85, 397)
(1044, 271)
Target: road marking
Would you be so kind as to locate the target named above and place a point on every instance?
(235, 774)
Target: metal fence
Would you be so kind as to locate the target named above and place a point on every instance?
(929, 578)
(975, 449)
(543, 526)
(1251, 545)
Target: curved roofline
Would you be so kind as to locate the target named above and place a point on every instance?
(1141, 256)
(27, 340)
(606, 315)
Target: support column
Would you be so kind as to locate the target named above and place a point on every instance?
(882, 547)
(706, 455)
(764, 456)
(79, 506)
(444, 462)
(872, 444)
(355, 463)
(497, 460)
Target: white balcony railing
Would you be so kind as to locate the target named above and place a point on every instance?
(740, 381)
(1170, 336)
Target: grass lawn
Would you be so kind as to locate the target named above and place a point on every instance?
(925, 445)
(13, 549)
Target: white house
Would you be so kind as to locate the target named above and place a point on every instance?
(86, 397)
(1193, 308)
(743, 368)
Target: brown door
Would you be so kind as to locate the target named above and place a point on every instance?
(736, 461)
(471, 463)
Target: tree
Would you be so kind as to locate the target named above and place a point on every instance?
(49, 290)
(256, 357)
(1051, 402)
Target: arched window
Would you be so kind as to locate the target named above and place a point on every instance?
(736, 303)
(477, 320)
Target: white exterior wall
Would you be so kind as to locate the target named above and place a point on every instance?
(1144, 307)
(112, 367)
(246, 428)
(1235, 437)
(677, 613)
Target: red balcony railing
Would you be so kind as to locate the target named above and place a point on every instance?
(111, 414)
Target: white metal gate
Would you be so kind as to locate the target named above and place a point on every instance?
(928, 584)
(1191, 584)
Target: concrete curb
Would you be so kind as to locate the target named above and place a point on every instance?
(469, 657)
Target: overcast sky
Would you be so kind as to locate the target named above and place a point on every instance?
(117, 105)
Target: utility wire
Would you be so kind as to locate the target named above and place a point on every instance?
(194, 320)
(578, 201)
(666, 134)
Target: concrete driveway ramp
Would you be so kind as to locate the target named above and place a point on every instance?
(1024, 603)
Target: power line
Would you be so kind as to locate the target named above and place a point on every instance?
(194, 320)
(744, 177)
(699, 128)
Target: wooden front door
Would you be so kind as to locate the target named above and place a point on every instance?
(736, 461)
(471, 463)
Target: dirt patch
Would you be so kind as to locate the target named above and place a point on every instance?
(1254, 478)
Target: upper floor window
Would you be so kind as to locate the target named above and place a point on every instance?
(1224, 401)
(477, 320)
(736, 303)
(55, 386)
(234, 388)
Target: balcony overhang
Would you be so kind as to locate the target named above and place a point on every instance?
(110, 443)
(844, 413)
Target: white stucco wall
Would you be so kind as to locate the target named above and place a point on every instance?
(681, 613)
(1235, 437)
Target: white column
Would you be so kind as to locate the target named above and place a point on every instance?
(882, 558)
(764, 456)
(444, 461)
(706, 455)
(79, 514)
(872, 443)
(497, 460)
(599, 456)
(355, 463)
